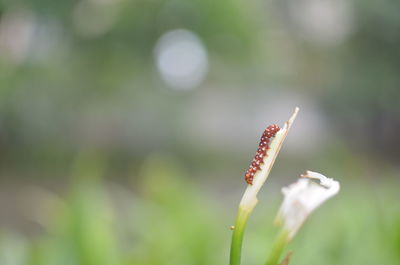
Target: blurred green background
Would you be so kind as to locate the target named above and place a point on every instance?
(126, 127)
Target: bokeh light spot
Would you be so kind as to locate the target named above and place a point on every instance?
(181, 59)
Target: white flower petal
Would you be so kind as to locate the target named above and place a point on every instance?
(303, 197)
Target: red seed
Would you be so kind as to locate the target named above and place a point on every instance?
(262, 150)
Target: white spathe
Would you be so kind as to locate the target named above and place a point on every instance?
(303, 197)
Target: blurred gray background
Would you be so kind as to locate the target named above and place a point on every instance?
(144, 98)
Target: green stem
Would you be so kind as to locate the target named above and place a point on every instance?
(280, 243)
(237, 236)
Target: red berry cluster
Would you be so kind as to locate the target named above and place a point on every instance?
(261, 152)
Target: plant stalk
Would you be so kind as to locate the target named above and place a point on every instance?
(237, 236)
(279, 245)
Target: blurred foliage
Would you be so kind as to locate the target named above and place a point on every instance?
(82, 75)
(169, 221)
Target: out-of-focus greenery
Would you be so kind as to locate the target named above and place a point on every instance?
(83, 75)
(173, 222)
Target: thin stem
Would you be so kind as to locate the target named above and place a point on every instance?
(237, 236)
(279, 245)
